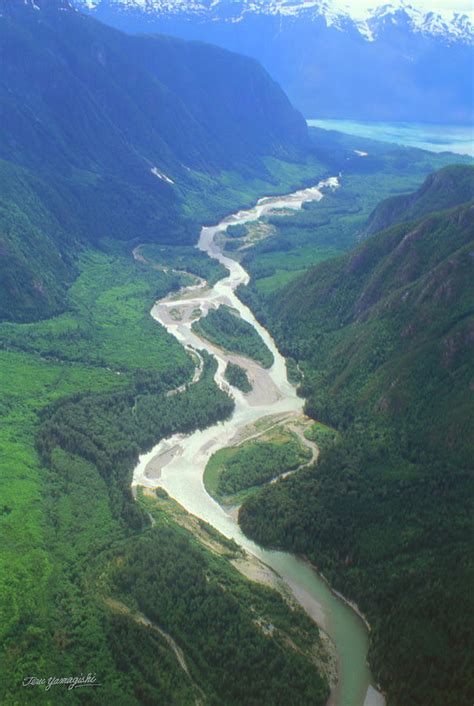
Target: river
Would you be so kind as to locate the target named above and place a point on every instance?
(177, 463)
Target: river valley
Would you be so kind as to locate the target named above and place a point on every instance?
(177, 463)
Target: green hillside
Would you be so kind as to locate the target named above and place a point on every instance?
(112, 141)
(448, 187)
(289, 245)
(108, 137)
(82, 394)
(384, 337)
(108, 142)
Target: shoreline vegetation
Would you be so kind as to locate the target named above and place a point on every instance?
(101, 365)
(88, 434)
(234, 472)
(162, 316)
(225, 328)
(238, 377)
(388, 508)
(245, 563)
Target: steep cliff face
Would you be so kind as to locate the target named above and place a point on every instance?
(391, 62)
(92, 91)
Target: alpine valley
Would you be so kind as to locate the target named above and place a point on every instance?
(179, 502)
(384, 338)
(391, 63)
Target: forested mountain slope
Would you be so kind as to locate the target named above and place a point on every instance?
(106, 136)
(108, 142)
(389, 61)
(448, 187)
(385, 339)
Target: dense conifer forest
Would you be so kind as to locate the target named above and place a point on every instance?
(225, 328)
(237, 376)
(114, 151)
(384, 339)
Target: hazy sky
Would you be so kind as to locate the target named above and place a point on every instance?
(441, 6)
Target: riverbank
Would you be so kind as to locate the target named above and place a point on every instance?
(277, 450)
(182, 475)
(316, 646)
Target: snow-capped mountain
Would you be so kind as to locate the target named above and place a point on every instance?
(455, 27)
(396, 62)
(13, 5)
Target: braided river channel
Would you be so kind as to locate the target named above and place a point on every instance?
(177, 463)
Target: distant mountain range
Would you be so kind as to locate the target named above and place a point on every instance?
(397, 63)
(377, 22)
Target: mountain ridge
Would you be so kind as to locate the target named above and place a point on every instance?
(450, 26)
(446, 188)
(112, 137)
(398, 64)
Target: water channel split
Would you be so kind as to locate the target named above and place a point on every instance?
(177, 463)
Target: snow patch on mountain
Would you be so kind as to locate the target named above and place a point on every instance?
(448, 26)
(161, 175)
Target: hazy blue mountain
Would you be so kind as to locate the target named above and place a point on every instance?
(396, 64)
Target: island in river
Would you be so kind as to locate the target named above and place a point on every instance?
(177, 463)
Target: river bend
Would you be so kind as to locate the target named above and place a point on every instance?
(177, 463)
